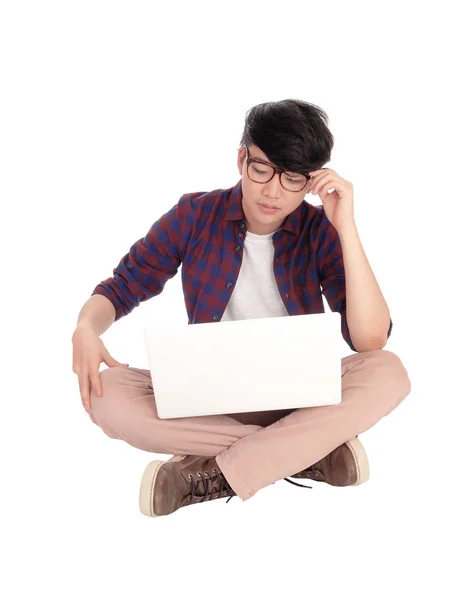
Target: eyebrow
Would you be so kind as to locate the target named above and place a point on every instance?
(263, 160)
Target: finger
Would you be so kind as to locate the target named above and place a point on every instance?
(84, 383)
(319, 181)
(96, 382)
(329, 187)
(111, 362)
(327, 184)
(317, 171)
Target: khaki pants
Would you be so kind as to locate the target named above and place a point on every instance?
(253, 449)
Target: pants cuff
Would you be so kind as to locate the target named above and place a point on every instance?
(231, 475)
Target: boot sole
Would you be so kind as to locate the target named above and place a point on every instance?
(147, 485)
(361, 460)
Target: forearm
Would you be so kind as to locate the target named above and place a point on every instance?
(367, 313)
(98, 313)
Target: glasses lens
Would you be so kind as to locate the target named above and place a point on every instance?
(261, 173)
(294, 182)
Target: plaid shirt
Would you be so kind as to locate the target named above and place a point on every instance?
(205, 231)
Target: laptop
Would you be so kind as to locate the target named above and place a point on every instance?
(245, 365)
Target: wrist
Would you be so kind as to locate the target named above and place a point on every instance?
(347, 230)
(84, 327)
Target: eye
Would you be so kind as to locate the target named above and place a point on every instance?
(294, 177)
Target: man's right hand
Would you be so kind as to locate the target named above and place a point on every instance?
(88, 354)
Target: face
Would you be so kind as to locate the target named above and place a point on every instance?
(261, 220)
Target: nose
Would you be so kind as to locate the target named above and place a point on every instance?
(273, 188)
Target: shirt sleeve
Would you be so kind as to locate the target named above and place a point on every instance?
(332, 276)
(151, 261)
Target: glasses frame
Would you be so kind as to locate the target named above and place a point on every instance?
(250, 160)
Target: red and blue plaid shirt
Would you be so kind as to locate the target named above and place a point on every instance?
(205, 231)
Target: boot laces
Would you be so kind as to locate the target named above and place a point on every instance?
(210, 490)
(298, 484)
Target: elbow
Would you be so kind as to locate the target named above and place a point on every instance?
(369, 345)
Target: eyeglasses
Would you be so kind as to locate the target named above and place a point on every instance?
(260, 171)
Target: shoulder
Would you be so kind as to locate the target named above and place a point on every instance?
(208, 208)
(315, 221)
(197, 204)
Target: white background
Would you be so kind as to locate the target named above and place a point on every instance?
(110, 111)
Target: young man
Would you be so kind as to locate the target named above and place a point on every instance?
(255, 250)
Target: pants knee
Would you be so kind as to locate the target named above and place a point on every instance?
(103, 408)
(398, 378)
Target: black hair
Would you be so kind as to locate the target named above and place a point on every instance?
(293, 134)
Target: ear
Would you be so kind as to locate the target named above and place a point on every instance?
(241, 158)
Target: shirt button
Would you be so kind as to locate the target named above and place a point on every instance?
(286, 295)
(215, 317)
(240, 235)
(237, 248)
(243, 226)
(228, 284)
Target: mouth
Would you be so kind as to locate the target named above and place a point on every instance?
(269, 206)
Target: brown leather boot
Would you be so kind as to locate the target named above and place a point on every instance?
(346, 465)
(181, 481)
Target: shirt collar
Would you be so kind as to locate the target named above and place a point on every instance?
(234, 210)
